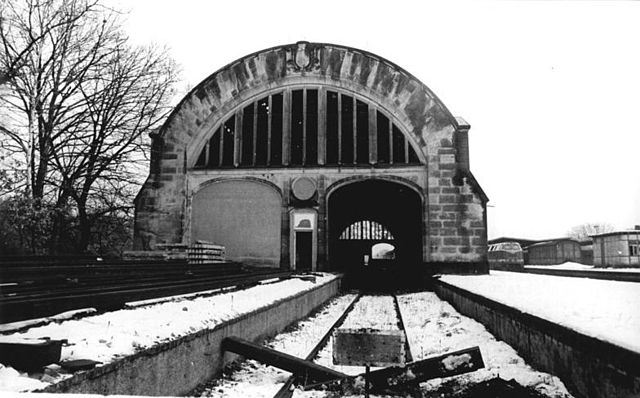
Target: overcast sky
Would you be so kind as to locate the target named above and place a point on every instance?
(551, 89)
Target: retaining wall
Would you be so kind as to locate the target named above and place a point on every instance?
(177, 367)
(593, 274)
(589, 367)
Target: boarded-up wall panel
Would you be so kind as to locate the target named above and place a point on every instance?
(244, 216)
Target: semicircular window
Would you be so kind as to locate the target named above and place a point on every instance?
(366, 230)
(307, 127)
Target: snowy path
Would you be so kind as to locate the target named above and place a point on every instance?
(607, 310)
(253, 379)
(434, 327)
(370, 312)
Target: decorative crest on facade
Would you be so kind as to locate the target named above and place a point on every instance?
(303, 58)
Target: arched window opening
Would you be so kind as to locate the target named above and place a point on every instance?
(366, 230)
(307, 127)
(383, 251)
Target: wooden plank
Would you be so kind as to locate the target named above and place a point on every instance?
(397, 377)
(30, 355)
(362, 347)
(307, 370)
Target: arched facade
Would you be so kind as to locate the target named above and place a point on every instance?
(307, 119)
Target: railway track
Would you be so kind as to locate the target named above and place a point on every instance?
(365, 317)
(298, 368)
(32, 290)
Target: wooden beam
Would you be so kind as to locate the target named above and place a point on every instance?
(451, 364)
(306, 370)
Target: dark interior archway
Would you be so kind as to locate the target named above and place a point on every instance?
(393, 205)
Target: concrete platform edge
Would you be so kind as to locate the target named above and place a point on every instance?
(178, 366)
(589, 367)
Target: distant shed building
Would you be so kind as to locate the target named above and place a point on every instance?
(617, 249)
(586, 252)
(553, 252)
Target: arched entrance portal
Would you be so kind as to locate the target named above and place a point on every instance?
(365, 213)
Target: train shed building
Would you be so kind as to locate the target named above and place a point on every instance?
(555, 251)
(306, 156)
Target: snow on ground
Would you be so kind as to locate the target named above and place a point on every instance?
(253, 379)
(434, 327)
(607, 310)
(370, 312)
(109, 336)
(582, 267)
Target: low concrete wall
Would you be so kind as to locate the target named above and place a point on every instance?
(593, 274)
(589, 367)
(177, 367)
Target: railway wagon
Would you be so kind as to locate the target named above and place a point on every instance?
(505, 256)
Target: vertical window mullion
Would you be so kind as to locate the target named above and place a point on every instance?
(286, 126)
(322, 125)
(354, 118)
(206, 153)
(373, 135)
(339, 128)
(255, 132)
(406, 149)
(269, 117)
(237, 149)
(304, 126)
(390, 142)
(221, 144)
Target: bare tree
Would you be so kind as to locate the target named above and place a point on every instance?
(19, 35)
(584, 232)
(125, 98)
(84, 101)
(72, 36)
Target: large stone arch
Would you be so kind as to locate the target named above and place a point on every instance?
(416, 108)
(392, 201)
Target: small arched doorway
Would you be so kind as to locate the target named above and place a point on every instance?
(365, 213)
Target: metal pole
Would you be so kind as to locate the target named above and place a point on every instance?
(366, 382)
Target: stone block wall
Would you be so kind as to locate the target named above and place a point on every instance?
(457, 228)
(454, 222)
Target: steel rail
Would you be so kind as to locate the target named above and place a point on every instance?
(18, 308)
(414, 390)
(286, 391)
